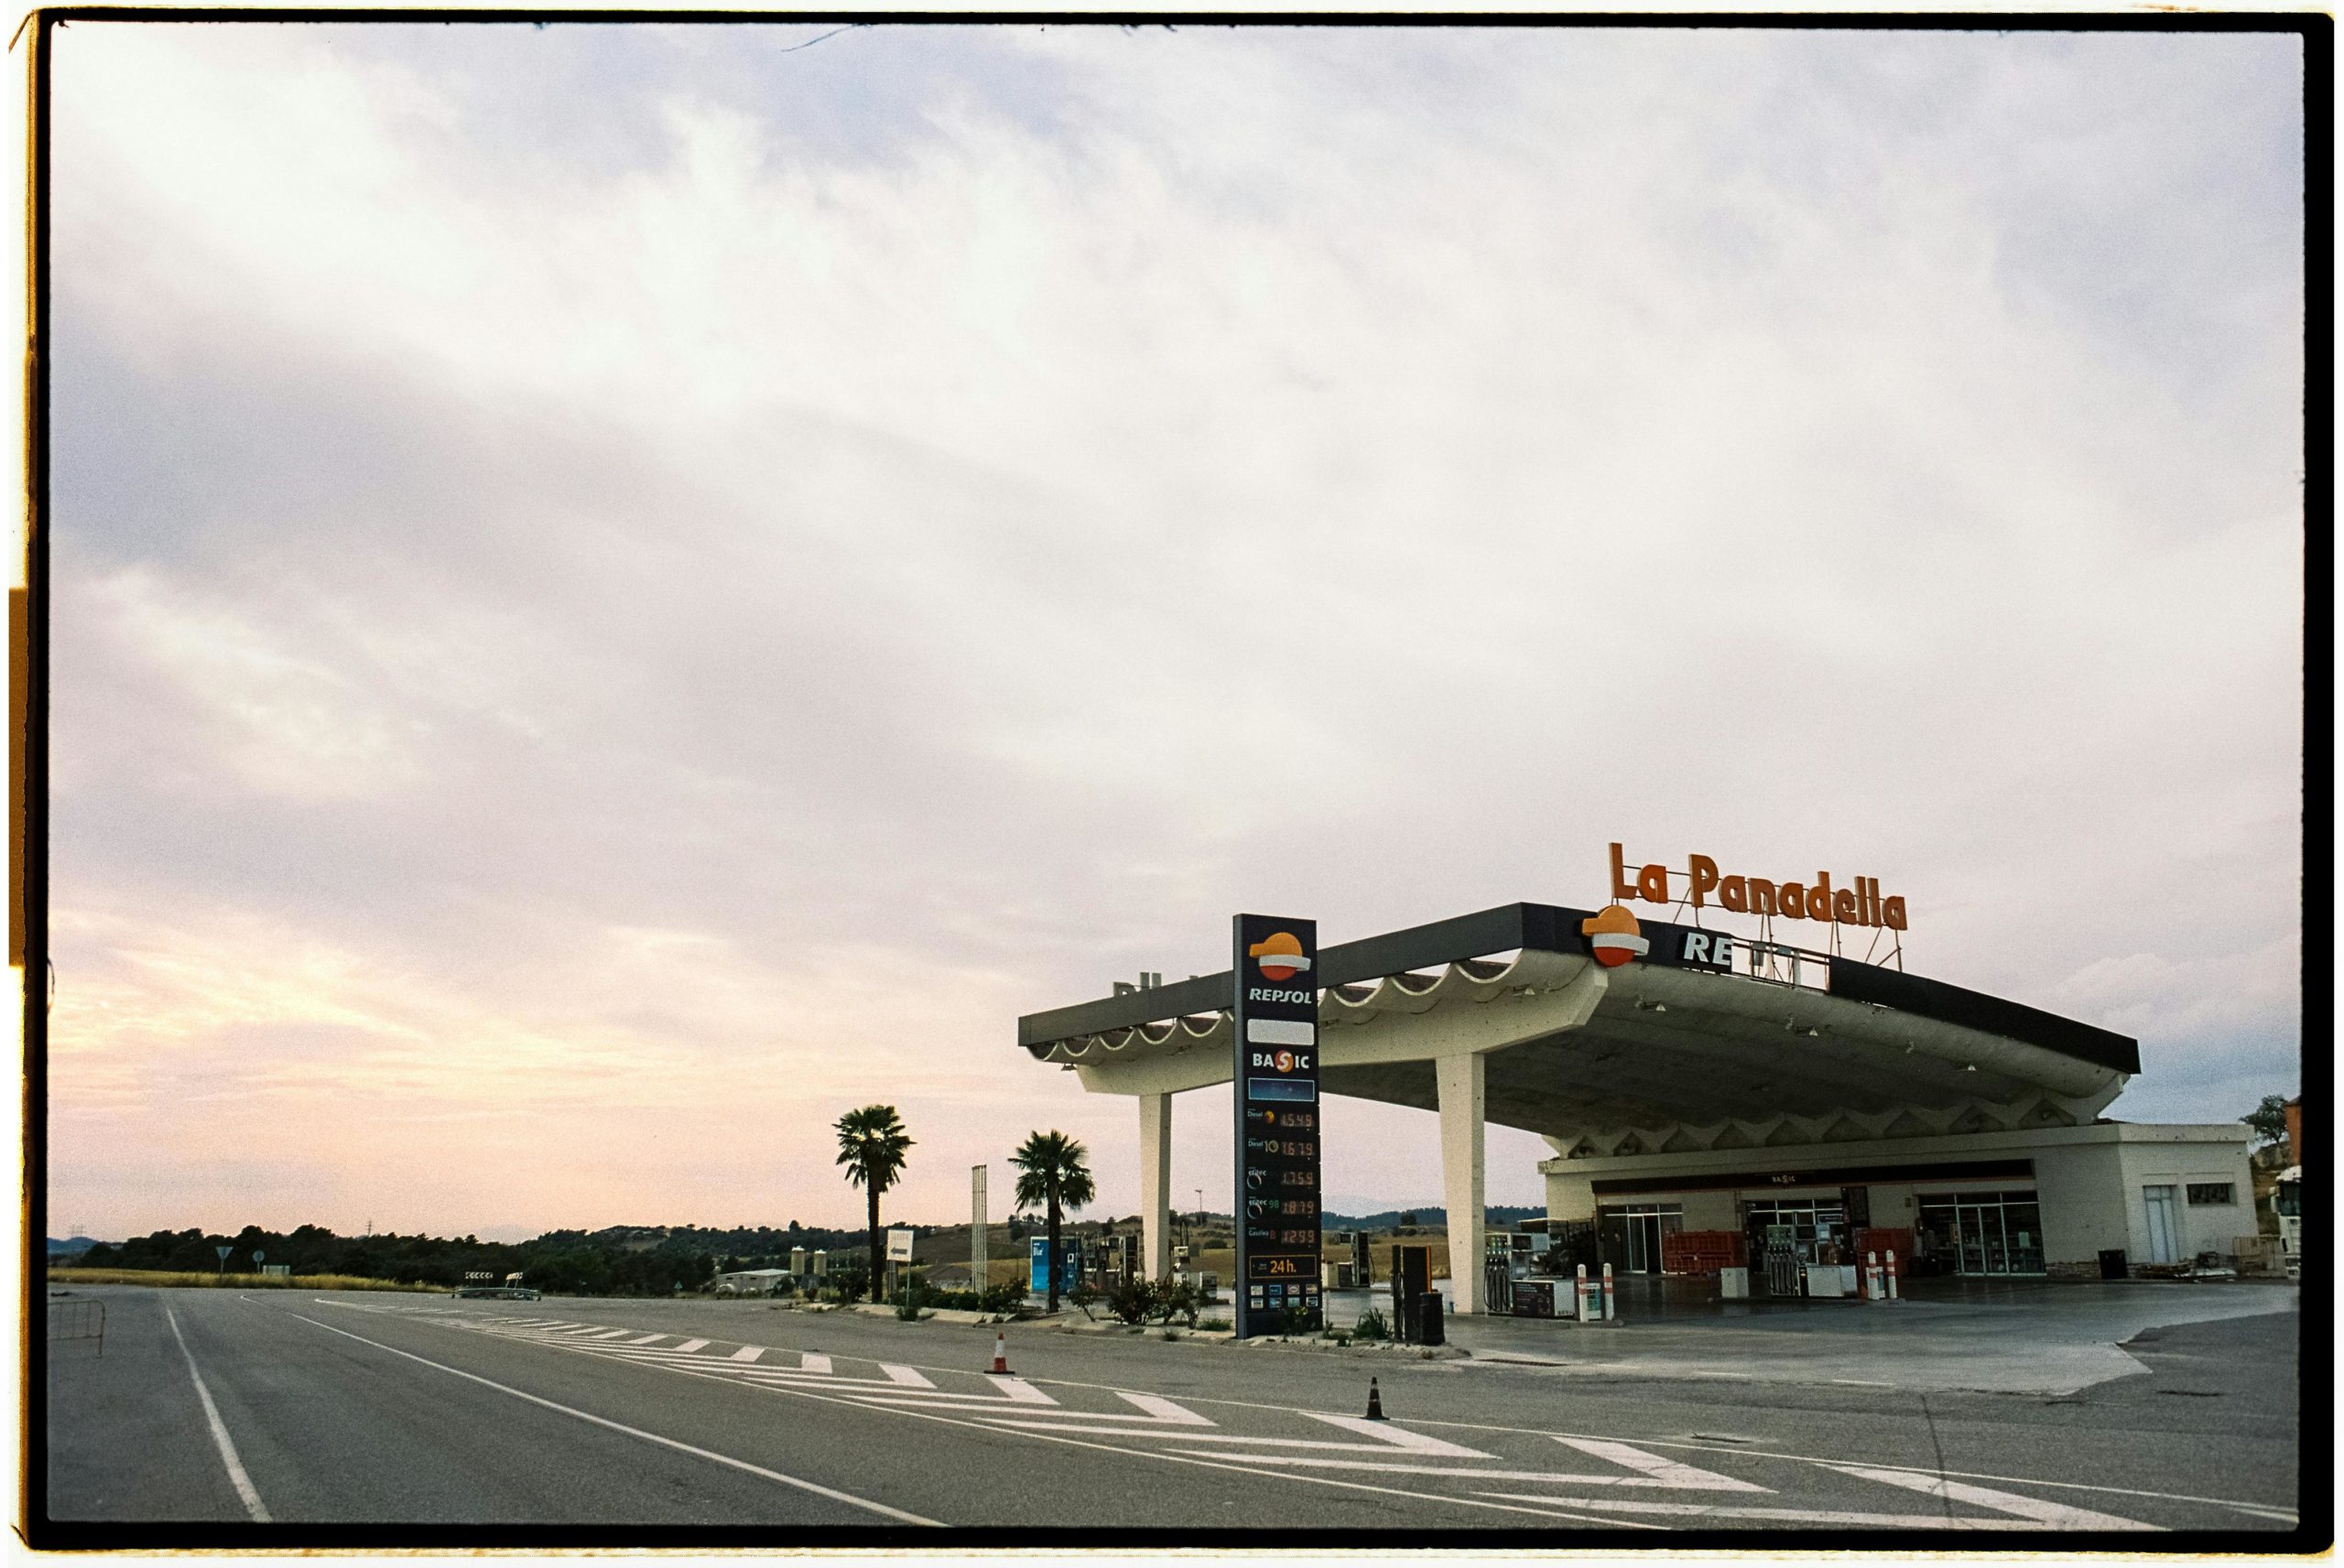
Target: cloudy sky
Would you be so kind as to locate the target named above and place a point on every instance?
(622, 591)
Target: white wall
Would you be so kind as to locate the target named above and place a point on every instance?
(2080, 1190)
(1710, 1211)
(1571, 1196)
(1894, 1206)
(2177, 1163)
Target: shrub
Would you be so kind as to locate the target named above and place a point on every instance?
(1002, 1298)
(1133, 1299)
(1216, 1325)
(1372, 1325)
(1176, 1298)
(1084, 1296)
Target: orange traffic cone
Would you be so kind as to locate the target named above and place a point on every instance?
(1000, 1367)
(1375, 1401)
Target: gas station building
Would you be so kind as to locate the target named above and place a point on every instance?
(1696, 1087)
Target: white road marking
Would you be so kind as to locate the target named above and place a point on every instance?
(689, 1345)
(906, 1376)
(648, 1339)
(1241, 1467)
(896, 1394)
(748, 1353)
(1787, 1516)
(1161, 1409)
(1400, 1467)
(605, 1334)
(2059, 1516)
(634, 1432)
(1020, 1391)
(1828, 1463)
(1392, 1436)
(236, 1477)
(1655, 1471)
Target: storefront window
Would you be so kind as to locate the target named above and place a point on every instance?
(1632, 1233)
(1982, 1233)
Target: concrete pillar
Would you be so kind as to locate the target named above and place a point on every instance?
(979, 1277)
(1460, 1080)
(1156, 1183)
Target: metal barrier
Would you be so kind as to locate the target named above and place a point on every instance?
(78, 1320)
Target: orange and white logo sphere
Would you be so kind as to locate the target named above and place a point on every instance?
(1613, 937)
(1280, 955)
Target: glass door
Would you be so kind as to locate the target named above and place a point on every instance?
(2161, 1245)
(1971, 1239)
(1643, 1244)
(1986, 1219)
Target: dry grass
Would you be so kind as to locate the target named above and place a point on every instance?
(195, 1279)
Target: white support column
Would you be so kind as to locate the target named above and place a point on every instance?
(1156, 1183)
(1460, 1080)
(979, 1219)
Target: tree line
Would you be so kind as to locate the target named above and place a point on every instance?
(1053, 1177)
(621, 1260)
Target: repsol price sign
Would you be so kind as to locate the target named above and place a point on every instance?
(1275, 1074)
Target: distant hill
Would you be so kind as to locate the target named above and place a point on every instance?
(1431, 1215)
(71, 1246)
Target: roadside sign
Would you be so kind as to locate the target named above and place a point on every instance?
(258, 1254)
(224, 1252)
(1273, 963)
(899, 1246)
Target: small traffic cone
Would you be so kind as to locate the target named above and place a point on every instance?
(1375, 1401)
(1000, 1367)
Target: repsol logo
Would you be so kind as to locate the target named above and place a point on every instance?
(1271, 994)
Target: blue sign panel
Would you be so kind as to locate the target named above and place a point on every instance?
(1274, 964)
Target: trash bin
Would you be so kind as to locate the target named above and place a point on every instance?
(1429, 1330)
(2111, 1264)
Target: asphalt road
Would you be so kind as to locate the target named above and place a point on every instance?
(324, 1417)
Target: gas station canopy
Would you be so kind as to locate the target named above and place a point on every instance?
(1670, 1053)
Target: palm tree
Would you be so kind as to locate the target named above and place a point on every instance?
(870, 1146)
(1051, 1170)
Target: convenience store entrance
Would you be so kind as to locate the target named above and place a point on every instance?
(1989, 1234)
(1631, 1238)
